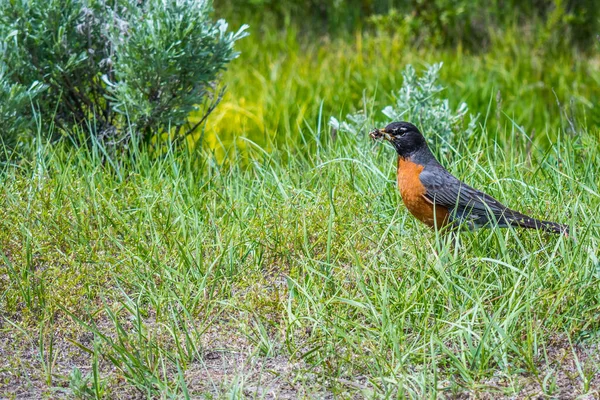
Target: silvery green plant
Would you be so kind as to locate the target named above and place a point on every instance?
(15, 104)
(120, 69)
(418, 101)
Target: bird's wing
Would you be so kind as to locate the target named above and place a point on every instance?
(444, 189)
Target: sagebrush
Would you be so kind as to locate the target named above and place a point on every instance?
(114, 70)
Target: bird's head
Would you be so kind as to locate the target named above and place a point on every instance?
(404, 136)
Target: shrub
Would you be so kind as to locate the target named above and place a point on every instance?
(470, 22)
(119, 69)
(418, 101)
(15, 103)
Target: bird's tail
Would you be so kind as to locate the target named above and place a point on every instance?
(523, 221)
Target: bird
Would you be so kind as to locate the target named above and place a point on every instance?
(437, 198)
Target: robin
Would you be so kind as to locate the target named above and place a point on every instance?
(437, 198)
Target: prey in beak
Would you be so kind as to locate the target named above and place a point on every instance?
(380, 134)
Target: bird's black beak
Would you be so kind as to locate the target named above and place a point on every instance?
(380, 134)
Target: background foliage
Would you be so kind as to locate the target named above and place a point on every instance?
(438, 22)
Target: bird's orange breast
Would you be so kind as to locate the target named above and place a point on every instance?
(413, 195)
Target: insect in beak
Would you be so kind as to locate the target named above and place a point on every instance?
(380, 134)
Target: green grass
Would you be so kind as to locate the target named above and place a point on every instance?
(278, 260)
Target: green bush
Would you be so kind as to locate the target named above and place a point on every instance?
(15, 103)
(470, 22)
(120, 69)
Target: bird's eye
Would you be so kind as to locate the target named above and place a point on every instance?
(401, 131)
